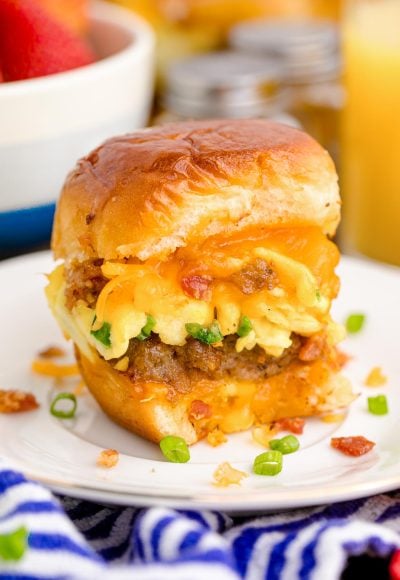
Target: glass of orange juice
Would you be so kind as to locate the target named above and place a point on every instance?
(371, 129)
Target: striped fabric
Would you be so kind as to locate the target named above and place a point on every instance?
(74, 539)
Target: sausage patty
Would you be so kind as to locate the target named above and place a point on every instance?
(178, 366)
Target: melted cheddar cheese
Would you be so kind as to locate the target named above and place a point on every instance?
(302, 258)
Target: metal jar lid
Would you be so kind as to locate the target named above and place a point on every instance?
(308, 50)
(224, 84)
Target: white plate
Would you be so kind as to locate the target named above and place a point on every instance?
(62, 454)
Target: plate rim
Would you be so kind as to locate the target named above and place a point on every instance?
(228, 503)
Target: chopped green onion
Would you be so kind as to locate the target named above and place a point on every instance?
(59, 413)
(354, 323)
(245, 326)
(209, 335)
(175, 449)
(318, 294)
(288, 444)
(378, 405)
(13, 546)
(268, 463)
(103, 334)
(147, 328)
(194, 329)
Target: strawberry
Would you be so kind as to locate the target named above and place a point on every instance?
(394, 567)
(34, 44)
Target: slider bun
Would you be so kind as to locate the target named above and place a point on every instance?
(149, 410)
(150, 192)
(131, 404)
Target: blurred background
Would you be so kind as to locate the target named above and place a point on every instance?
(75, 72)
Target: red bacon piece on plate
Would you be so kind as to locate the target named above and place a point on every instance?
(17, 401)
(353, 446)
(292, 424)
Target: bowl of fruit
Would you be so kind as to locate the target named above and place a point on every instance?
(69, 80)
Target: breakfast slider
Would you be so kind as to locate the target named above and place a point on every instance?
(198, 275)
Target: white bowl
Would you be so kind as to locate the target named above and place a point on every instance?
(49, 122)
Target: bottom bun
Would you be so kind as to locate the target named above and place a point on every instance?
(152, 410)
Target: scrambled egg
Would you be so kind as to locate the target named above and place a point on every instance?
(136, 291)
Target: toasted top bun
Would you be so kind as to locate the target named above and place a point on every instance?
(145, 194)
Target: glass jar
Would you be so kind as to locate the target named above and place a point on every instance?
(371, 129)
(308, 53)
(224, 84)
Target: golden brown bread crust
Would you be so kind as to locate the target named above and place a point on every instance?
(132, 405)
(145, 194)
(147, 409)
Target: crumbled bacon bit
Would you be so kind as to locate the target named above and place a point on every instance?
(255, 277)
(197, 286)
(342, 358)
(313, 348)
(85, 280)
(292, 424)
(17, 401)
(226, 475)
(108, 458)
(354, 446)
(199, 410)
(376, 378)
(52, 352)
(216, 437)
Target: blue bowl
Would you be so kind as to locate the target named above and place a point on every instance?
(26, 228)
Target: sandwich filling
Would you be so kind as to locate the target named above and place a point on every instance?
(243, 309)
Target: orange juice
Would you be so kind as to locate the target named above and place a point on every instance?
(371, 129)
(227, 12)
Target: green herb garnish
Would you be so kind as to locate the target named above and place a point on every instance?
(268, 463)
(209, 335)
(354, 323)
(378, 405)
(13, 546)
(102, 334)
(175, 449)
(245, 326)
(147, 328)
(318, 294)
(288, 444)
(60, 413)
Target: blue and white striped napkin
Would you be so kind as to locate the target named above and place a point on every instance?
(74, 539)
